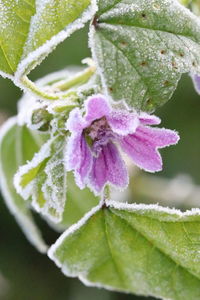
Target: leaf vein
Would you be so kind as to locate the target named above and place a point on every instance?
(111, 252)
(157, 247)
(139, 74)
(6, 58)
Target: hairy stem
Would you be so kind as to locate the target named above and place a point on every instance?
(57, 89)
(80, 78)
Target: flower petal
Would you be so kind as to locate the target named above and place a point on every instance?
(158, 137)
(108, 167)
(123, 122)
(78, 158)
(196, 81)
(147, 119)
(142, 146)
(96, 107)
(75, 123)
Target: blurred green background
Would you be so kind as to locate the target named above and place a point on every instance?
(32, 276)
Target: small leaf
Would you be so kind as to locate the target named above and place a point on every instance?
(142, 48)
(145, 250)
(30, 30)
(44, 179)
(15, 150)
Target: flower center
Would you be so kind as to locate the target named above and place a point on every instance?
(98, 129)
(98, 134)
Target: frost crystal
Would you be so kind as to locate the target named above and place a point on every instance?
(92, 150)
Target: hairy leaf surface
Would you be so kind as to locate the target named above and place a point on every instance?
(145, 250)
(142, 48)
(30, 30)
(44, 179)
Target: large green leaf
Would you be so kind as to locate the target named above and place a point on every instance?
(17, 145)
(142, 48)
(145, 250)
(30, 29)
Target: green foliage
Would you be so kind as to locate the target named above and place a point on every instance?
(146, 250)
(28, 30)
(15, 150)
(142, 48)
(78, 203)
(44, 179)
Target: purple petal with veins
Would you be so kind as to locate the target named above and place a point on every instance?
(108, 167)
(147, 119)
(96, 108)
(142, 146)
(78, 158)
(123, 122)
(96, 134)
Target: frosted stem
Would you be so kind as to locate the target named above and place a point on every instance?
(80, 78)
(59, 87)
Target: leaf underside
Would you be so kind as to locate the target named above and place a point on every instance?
(142, 251)
(142, 48)
(15, 150)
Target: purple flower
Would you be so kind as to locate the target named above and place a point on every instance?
(196, 82)
(97, 134)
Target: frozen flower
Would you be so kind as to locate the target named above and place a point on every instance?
(97, 134)
(196, 81)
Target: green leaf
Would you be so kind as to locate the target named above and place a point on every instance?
(15, 150)
(30, 30)
(142, 48)
(44, 179)
(78, 203)
(145, 250)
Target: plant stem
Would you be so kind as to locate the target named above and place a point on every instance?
(80, 78)
(58, 88)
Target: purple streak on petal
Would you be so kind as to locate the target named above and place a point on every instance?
(79, 158)
(97, 146)
(122, 122)
(96, 108)
(117, 172)
(147, 119)
(108, 167)
(144, 156)
(142, 146)
(75, 123)
(196, 81)
(157, 137)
